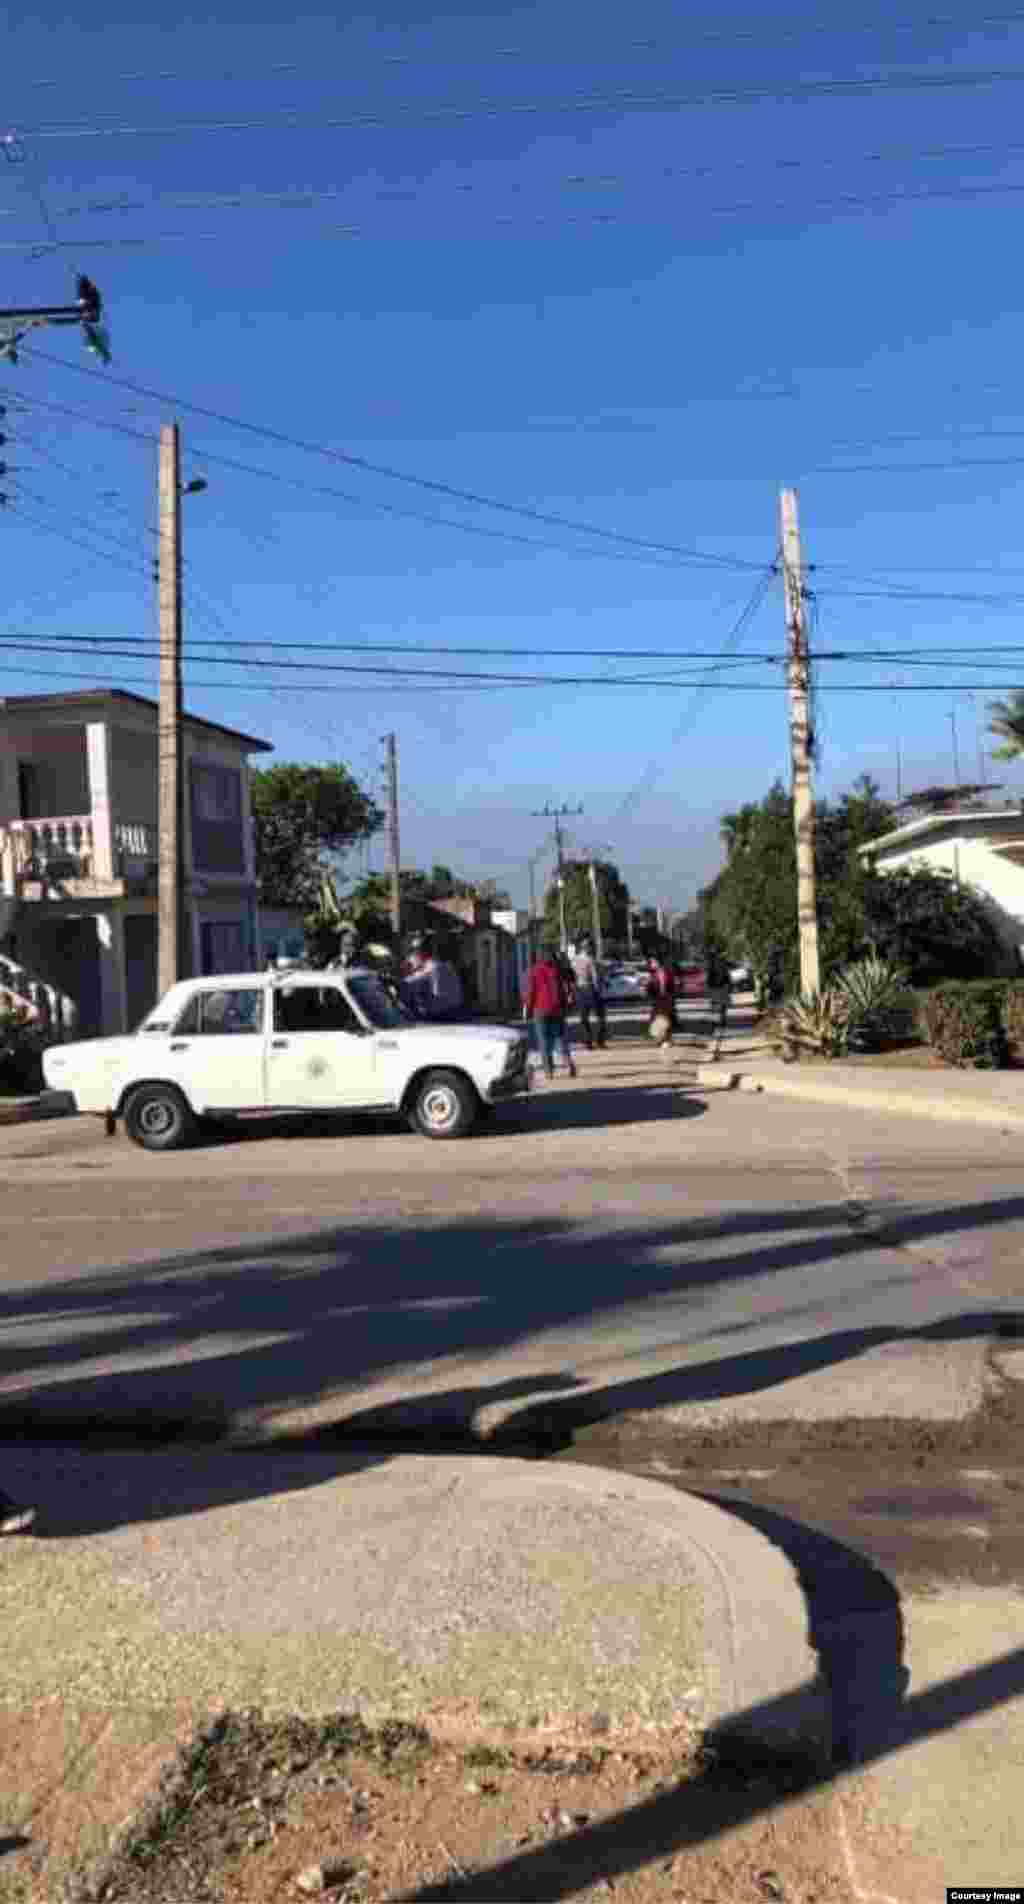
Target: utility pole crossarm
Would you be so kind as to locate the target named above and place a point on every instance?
(86, 311)
(798, 672)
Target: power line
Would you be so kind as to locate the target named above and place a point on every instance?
(411, 111)
(305, 198)
(851, 202)
(740, 687)
(733, 639)
(616, 50)
(474, 497)
(330, 644)
(36, 526)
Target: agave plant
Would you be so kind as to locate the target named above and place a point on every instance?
(817, 1022)
(875, 993)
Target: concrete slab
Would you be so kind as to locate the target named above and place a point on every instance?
(942, 1806)
(475, 1593)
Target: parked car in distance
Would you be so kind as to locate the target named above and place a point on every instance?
(623, 984)
(741, 977)
(292, 1041)
(691, 980)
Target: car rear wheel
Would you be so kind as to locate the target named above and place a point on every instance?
(157, 1117)
(444, 1105)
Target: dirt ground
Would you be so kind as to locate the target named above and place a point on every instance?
(258, 1812)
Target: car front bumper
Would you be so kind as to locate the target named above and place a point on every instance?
(517, 1084)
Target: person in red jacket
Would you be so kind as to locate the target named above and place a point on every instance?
(545, 1004)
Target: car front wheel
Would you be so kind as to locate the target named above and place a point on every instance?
(444, 1105)
(157, 1117)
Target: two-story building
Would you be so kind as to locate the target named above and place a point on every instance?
(78, 852)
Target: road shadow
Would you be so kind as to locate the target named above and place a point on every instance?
(341, 1323)
(559, 1105)
(80, 1491)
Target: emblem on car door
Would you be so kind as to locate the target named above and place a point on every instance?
(317, 1067)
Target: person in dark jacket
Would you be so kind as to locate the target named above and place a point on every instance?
(719, 987)
(545, 1005)
(661, 991)
(589, 995)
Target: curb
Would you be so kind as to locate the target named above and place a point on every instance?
(937, 1107)
(764, 1688)
(29, 1110)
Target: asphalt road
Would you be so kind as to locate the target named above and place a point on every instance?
(606, 1247)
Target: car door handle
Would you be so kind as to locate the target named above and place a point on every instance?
(181, 1047)
(279, 1044)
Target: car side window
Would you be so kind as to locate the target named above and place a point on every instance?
(221, 1014)
(314, 1008)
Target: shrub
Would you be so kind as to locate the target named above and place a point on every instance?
(817, 1022)
(963, 1023)
(1013, 1015)
(880, 1010)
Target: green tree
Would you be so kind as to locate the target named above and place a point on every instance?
(613, 902)
(920, 919)
(1007, 720)
(305, 818)
(927, 922)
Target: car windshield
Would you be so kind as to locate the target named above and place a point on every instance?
(376, 1004)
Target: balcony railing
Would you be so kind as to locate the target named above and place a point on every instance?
(66, 848)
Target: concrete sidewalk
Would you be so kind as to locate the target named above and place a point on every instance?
(994, 1098)
(487, 1597)
(497, 1601)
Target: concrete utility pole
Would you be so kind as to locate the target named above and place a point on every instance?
(798, 668)
(396, 856)
(558, 814)
(595, 904)
(171, 803)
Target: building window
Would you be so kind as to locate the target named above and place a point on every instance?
(217, 841)
(222, 946)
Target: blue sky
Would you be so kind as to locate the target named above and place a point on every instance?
(646, 316)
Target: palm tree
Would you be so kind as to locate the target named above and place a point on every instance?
(1007, 720)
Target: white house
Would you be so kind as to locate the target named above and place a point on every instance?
(983, 849)
(78, 853)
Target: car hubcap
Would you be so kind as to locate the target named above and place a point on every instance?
(157, 1117)
(439, 1107)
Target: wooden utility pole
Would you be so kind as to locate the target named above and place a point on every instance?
(396, 856)
(798, 669)
(170, 910)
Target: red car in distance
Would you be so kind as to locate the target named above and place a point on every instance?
(690, 981)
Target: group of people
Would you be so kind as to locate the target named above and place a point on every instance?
(556, 985)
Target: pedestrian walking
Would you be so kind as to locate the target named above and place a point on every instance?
(589, 995)
(661, 991)
(545, 1005)
(14, 1517)
(719, 986)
